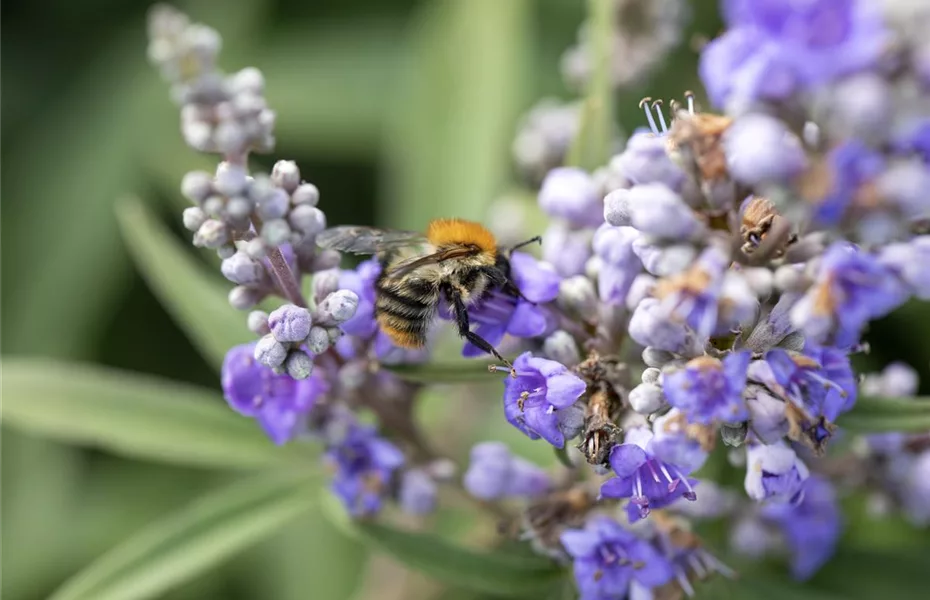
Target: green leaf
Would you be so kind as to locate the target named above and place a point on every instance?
(591, 148)
(452, 372)
(191, 541)
(133, 415)
(872, 414)
(856, 573)
(451, 125)
(498, 573)
(195, 297)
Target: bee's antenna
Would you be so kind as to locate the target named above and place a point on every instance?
(536, 238)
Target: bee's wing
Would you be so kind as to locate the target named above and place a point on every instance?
(367, 240)
(415, 262)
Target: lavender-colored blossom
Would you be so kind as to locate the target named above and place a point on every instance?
(361, 280)
(417, 493)
(761, 149)
(278, 402)
(364, 466)
(649, 481)
(569, 193)
(775, 473)
(657, 210)
(811, 528)
(608, 558)
(539, 402)
(619, 265)
(773, 49)
(694, 296)
(852, 287)
(566, 249)
(290, 323)
(498, 314)
(645, 160)
(852, 166)
(709, 390)
(495, 473)
(908, 261)
(663, 259)
(690, 558)
(650, 326)
(766, 413)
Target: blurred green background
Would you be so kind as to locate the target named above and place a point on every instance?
(398, 110)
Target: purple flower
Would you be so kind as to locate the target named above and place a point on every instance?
(498, 314)
(566, 249)
(570, 193)
(657, 210)
(852, 288)
(693, 296)
(774, 49)
(608, 559)
(811, 528)
(914, 139)
(709, 390)
(761, 149)
(852, 166)
(278, 402)
(495, 473)
(364, 465)
(540, 401)
(362, 282)
(774, 472)
(290, 323)
(619, 264)
(644, 477)
(650, 326)
(645, 160)
(690, 558)
(417, 493)
(767, 413)
(908, 261)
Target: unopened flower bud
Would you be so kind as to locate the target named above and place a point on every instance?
(298, 365)
(651, 375)
(577, 295)
(560, 346)
(617, 208)
(308, 220)
(642, 287)
(790, 278)
(318, 340)
(569, 193)
(760, 149)
(290, 323)
(352, 375)
(653, 357)
(239, 208)
(243, 297)
(215, 206)
(226, 251)
(258, 322)
(338, 307)
(231, 179)
(270, 352)
(276, 232)
(273, 205)
(659, 211)
(646, 398)
(196, 186)
(193, 218)
(417, 494)
(286, 175)
(212, 234)
(761, 281)
(306, 193)
(326, 259)
(242, 269)
(334, 334)
(324, 283)
(248, 80)
(255, 248)
(734, 435)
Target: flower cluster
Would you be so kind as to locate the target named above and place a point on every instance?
(699, 294)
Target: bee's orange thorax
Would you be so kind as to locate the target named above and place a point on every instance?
(450, 232)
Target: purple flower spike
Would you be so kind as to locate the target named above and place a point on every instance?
(608, 559)
(709, 390)
(643, 477)
(364, 465)
(773, 48)
(852, 288)
(774, 472)
(811, 528)
(362, 282)
(539, 402)
(495, 473)
(278, 402)
(570, 194)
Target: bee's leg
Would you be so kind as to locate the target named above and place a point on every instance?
(463, 325)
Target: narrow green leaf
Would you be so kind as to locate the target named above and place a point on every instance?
(133, 415)
(452, 372)
(872, 414)
(193, 540)
(451, 125)
(497, 573)
(192, 295)
(591, 148)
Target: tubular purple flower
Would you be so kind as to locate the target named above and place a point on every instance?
(417, 493)
(495, 473)
(569, 193)
(760, 149)
(774, 473)
(278, 402)
(908, 261)
(364, 466)
(608, 558)
(657, 210)
(566, 249)
(650, 326)
(645, 160)
(766, 413)
(708, 390)
(541, 397)
(619, 265)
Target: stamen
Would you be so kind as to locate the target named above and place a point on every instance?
(657, 105)
(653, 469)
(644, 104)
(666, 473)
(689, 495)
(697, 566)
(639, 484)
(689, 96)
(682, 578)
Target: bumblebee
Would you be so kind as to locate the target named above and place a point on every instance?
(455, 260)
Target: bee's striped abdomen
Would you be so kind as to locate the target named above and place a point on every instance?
(405, 309)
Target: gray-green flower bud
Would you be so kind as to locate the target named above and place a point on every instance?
(298, 365)
(243, 297)
(257, 322)
(212, 234)
(318, 340)
(286, 175)
(231, 179)
(193, 218)
(197, 186)
(337, 308)
(269, 351)
(561, 347)
(306, 193)
(276, 232)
